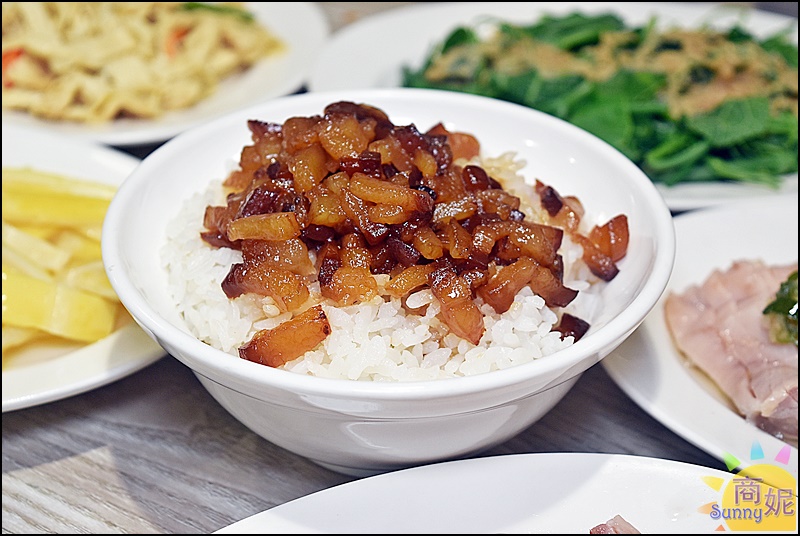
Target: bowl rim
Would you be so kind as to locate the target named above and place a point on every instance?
(249, 373)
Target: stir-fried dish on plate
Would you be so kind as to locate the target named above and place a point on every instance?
(94, 62)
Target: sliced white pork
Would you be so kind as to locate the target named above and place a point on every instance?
(720, 327)
(615, 525)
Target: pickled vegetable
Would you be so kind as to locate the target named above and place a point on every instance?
(54, 283)
(55, 308)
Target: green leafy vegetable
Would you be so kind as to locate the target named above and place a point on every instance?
(218, 8)
(572, 31)
(782, 312)
(461, 36)
(780, 45)
(732, 122)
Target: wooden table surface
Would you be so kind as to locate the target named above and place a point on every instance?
(154, 453)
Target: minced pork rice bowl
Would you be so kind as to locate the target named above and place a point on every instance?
(379, 339)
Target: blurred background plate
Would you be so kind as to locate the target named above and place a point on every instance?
(372, 52)
(301, 25)
(558, 493)
(649, 368)
(46, 373)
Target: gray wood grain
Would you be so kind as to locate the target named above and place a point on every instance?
(154, 453)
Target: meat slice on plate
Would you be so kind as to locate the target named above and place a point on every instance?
(615, 525)
(720, 327)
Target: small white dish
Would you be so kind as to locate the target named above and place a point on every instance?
(341, 65)
(44, 374)
(546, 493)
(366, 427)
(649, 368)
(301, 25)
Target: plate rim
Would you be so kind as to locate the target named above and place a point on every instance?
(287, 512)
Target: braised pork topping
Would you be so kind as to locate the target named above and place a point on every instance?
(367, 197)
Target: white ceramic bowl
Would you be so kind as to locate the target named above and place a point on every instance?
(363, 428)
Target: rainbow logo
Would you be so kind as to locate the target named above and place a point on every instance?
(761, 497)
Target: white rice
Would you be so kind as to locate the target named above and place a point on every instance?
(377, 340)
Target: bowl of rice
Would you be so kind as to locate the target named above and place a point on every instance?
(384, 278)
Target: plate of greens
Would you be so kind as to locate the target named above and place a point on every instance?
(702, 96)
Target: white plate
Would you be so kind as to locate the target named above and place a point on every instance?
(561, 493)
(348, 63)
(648, 367)
(301, 25)
(45, 374)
